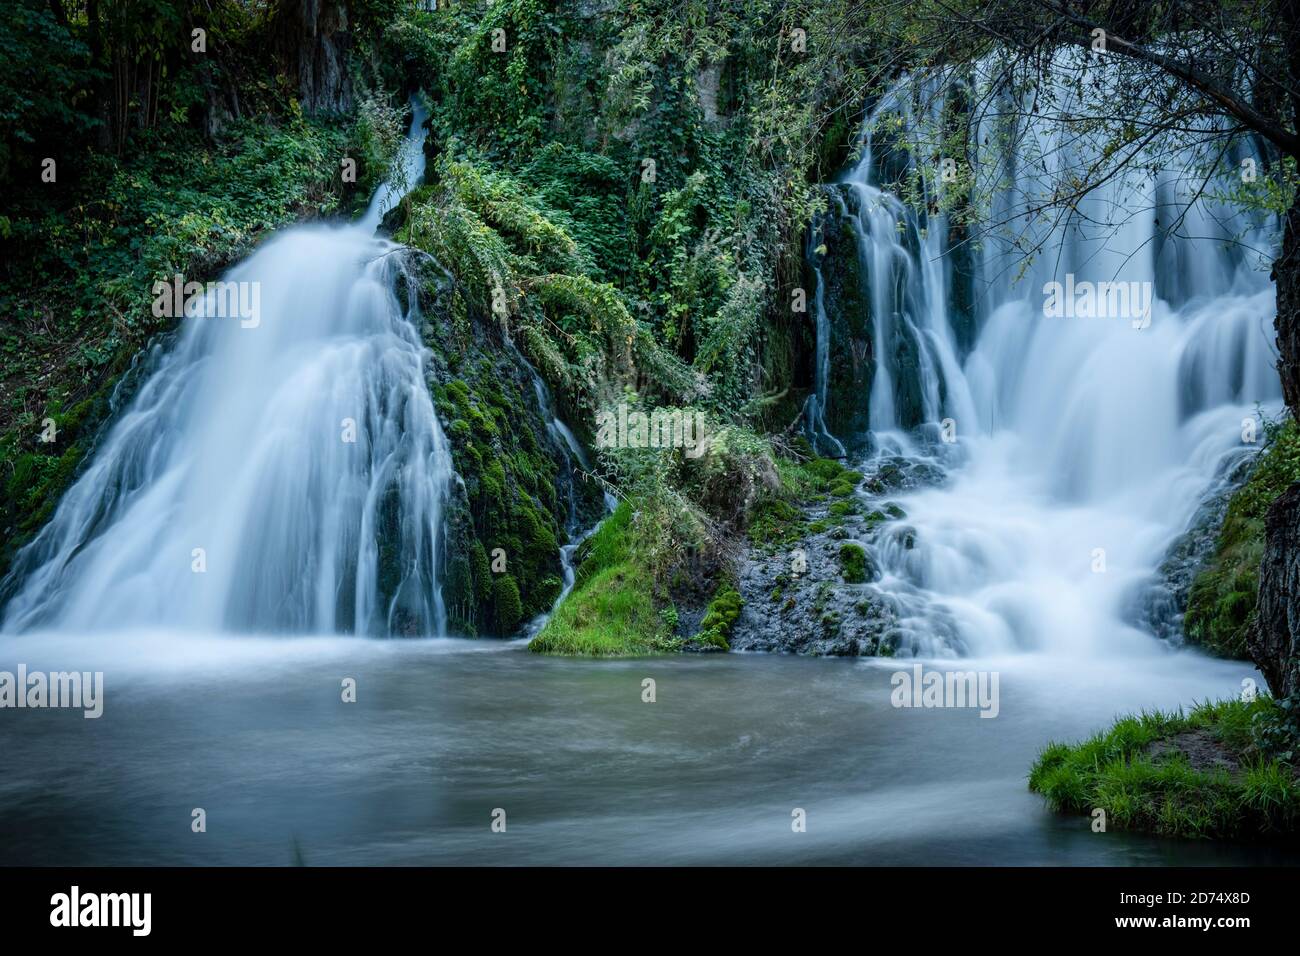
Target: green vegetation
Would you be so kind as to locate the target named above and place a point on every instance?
(511, 507)
(626, 195)
(1221, 604)
(722, 612)
(1214, 772)
(853, 563)
(610, 612)
(776, 521)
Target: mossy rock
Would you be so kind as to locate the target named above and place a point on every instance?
(1221, 601)
(513, 505)
(505, 598)
(775, 522)
(853, 563)
(719, 617)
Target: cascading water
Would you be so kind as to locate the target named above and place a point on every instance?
(277, 471)
(576, 466)
(1083, 444)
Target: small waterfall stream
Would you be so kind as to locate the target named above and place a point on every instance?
(278, 471)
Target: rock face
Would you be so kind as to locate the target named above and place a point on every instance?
(1275, 639)
(518, 498)
(836, 265)
(813, 610)
(817, 595)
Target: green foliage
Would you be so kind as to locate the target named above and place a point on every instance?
(42, 66)
(1142, 789)
(1221, 603)
(1275, 731)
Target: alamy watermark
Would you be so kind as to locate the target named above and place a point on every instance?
(626, 427)
(63, 689)
(75, 908)
(1099, 300)
(209, 300)
(921, 688)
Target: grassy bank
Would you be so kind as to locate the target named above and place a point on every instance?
(611, 611)
(1224, 769)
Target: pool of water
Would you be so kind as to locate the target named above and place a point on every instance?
(445, 732)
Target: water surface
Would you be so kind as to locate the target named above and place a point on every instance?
(444, 731)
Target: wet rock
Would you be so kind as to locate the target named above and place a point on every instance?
(797, 600)
(894, 473)
(1159, 604)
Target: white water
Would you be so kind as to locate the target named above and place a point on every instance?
(1084, 440)
(227, 497)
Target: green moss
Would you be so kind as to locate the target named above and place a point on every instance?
(481, 570)
(776, 522)
(611, 611)
(511, 474)
(853, 563)
(842, 508)
(1117, 771)
(1221, 602)
(824, 469)
(840, 488)
(721, 614)
(509, 609)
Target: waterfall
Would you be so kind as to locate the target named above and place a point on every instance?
(1086, 439)
(815, 407)
(281, 469)
(576, 468)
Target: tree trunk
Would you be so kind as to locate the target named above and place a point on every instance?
(1275, 640)
(1286, 277)
(314, 42)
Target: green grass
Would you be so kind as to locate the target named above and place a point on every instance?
(611, 611)
(1165, 794)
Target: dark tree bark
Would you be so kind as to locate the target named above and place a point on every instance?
(1286, 276)
(1274, 644)
(1275, 640)
(313, 39)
